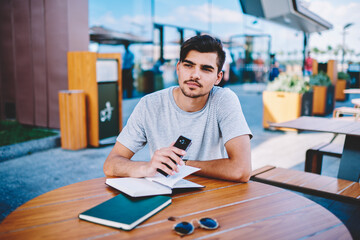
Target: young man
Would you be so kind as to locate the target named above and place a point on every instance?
(127, 71)
(210, 116)
(308, 65)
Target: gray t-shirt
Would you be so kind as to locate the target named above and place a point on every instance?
(158, 121)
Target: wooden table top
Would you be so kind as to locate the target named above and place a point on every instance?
(322, 124)
(251, 210)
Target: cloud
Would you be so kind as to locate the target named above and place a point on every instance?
(106, 19)
(338, 13)
(200, 13)
(125, 23)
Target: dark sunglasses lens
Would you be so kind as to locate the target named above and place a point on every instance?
(184, 228)
(209, 223)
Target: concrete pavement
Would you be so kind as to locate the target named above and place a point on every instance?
(26, 177)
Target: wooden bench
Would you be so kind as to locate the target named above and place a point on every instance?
(309, 183)
(314, 155)
(354, 112)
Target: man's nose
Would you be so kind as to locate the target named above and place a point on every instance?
(195, 74)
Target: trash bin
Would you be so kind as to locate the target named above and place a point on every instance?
(107, 79)
(99, 75)
(72, 119)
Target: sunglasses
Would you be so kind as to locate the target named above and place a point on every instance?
(186, 228)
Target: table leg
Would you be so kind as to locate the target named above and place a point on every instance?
(313, 161)
(350, 161)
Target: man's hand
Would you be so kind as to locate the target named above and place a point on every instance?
(118, 163)
(165, 159)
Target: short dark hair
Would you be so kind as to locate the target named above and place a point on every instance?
(204, 44)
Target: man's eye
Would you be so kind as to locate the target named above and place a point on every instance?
(207, 69)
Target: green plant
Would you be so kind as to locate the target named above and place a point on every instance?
(344, 76)
(13, 132)
(289, 83)
(320, 79)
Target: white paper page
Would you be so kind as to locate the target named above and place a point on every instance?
(137, 187)
(172, 180)
(187, 184)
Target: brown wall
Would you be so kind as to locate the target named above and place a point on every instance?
(35, 38)
(7, 70)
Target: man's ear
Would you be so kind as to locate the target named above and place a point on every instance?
(219, 77)
(177, 67)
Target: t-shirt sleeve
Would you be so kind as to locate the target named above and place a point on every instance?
(231, 119)
(133, 134)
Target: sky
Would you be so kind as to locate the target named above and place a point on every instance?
(338, 13)
(226, 16)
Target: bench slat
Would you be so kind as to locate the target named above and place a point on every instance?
(337, 186)
(352, 191)
(262, 170)
(310, 182)
(333, 148)
(300, 179)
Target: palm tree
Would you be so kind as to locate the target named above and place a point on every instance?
(329, 50)
(316, 51)
(337, 50)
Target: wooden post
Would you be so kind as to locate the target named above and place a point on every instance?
(319, 100)
(315, 67)
(332, 71)
(72, 119)
(339, 90)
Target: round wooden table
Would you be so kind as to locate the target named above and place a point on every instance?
(244, 211)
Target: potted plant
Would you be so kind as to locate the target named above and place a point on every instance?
(323, 94)
(341, 84)
(286, 98)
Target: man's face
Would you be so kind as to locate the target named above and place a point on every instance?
(198, 73)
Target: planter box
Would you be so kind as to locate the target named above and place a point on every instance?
(323, 100)
(285, 106)
(340, 86)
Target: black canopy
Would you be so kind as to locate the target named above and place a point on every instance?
(104, 35)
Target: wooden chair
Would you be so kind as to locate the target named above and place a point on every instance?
(356, 102)
(352, 111)
(314, 155)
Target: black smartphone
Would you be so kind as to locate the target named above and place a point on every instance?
(182, 143)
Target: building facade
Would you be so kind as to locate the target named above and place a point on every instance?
(36, 36)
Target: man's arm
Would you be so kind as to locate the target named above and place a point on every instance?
(118, 163)
(235, 168)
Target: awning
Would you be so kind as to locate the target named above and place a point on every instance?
(104, 35)
(290, 13)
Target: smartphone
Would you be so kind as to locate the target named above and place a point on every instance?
(183, 143)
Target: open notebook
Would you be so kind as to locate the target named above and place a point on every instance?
(157, 185)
